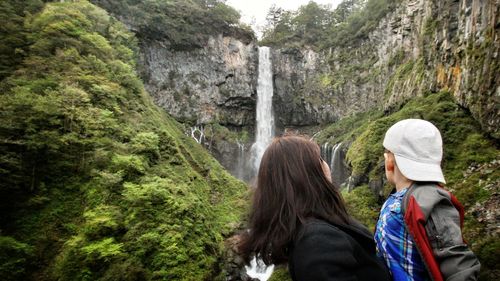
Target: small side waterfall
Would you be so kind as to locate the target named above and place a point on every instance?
(258, 269)
(334, 155)
(336, 161)
(240, 169)
(198, 133)
(265, 118)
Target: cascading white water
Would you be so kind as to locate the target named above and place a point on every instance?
(259, 270)
(240, 169)
(263, 137)
(265, 118)
(198, 133)
(335, 157)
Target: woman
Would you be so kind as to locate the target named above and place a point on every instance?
(298, 216)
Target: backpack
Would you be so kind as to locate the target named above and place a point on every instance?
(434, 218)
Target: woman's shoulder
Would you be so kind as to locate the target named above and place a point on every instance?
(317, 229)
(318, 225)
(354, 234)
(319, 235)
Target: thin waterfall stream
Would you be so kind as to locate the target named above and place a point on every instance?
(264, 115)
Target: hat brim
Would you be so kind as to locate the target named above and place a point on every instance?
(418, 171)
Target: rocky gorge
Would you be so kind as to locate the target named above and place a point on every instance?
(114, 114)
(421, 46)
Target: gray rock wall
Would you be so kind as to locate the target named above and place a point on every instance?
(216, 83)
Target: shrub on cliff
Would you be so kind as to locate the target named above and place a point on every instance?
(184, 24)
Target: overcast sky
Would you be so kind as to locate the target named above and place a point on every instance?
(254, 12)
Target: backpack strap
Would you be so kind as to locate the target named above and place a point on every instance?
(407, 197)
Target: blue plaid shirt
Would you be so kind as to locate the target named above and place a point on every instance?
(394, 243)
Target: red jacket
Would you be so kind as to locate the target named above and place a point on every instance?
(434, 218)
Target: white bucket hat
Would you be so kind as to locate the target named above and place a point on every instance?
(418, 149)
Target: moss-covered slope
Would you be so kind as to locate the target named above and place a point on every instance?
(97, 182)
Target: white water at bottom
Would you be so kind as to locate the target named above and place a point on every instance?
(258, 269)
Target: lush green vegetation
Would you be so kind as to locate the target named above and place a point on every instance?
(184, 24)
(320, 27)
(12, 34)
(362, 205)
(280, 274)
(97, 182)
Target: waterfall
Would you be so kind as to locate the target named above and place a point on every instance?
(259, 270)
(263, 137)
(265, 118)
(240, 169)
(334, 155)
(198, 133)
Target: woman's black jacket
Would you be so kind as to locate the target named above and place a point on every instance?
(327, 252)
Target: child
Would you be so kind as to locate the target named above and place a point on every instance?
(419, 229)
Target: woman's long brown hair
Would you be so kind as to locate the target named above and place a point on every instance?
(291, 188)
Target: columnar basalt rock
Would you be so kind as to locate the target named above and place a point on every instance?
(427, 46)
(422, 46)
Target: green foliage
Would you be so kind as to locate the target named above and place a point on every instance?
(13, 41)
(306, 26)
(218, 132)
(14, 258)
(100, 181)
(362, 205)
(102, 250)
(318, 26)
(146, 144)
(184, 24)
(280, 274)
(472, 189)
(487, 251)
(348, 128)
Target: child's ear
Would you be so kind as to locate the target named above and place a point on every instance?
(389, 164)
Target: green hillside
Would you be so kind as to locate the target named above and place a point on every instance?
(97, 182)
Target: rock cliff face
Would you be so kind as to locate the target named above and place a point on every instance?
(210, 86)
(319, 88)
(298, 88)
(453, 45)
(429, 46)
(216, 83)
